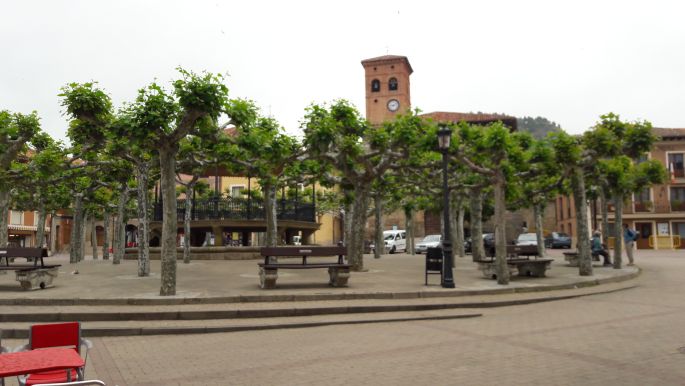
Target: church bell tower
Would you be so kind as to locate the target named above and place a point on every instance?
(386, 83)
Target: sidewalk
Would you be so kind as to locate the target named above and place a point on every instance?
(211, 281)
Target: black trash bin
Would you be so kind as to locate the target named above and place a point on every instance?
(434, 258)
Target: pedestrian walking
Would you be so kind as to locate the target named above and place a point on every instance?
(629, 237)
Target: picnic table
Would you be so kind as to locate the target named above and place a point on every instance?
(37, 361)
(338, 271)
(30, 276)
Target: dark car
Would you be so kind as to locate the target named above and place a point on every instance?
(558, 240)
(488, 244)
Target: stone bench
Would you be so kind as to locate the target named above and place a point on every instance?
(572, 258)
(516, 266)
(30, 276)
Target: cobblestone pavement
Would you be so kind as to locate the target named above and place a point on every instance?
(634, 337)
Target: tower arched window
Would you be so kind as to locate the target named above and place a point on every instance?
(375, 85)
(392, 84)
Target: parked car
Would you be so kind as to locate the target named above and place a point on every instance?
(558, 240)
(395, 240)
(488, 244)
(430, 241)
(527, 239)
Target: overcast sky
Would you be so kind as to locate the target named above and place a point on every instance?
(568, 61)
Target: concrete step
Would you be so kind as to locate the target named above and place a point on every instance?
(165, 327)
(139, 319)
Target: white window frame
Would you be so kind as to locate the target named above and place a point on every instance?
(21, 217)
(668, 165)
(242, 187)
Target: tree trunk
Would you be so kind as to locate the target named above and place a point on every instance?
(349, 209)
(120, 227)
(605, 216)
(380, 242)
(143, 223)
(355, 248)
(187, 216)
(40, 227)
(476, 223)
(538, 213)
(105, 235)
(618, 231)
(82, 236)
(76, 247)
(4, 217)
(94, 238)
(583, 233)
(409, 226)
(271, 215)
(500, 228)
(53, 233)
(167, 163)
(457, 226)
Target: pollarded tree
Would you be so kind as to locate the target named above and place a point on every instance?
(261, 149)
(359, 154)
(16, 130)
(142, 156)
(572, 157)
(499, 155)
(46, 163)
(162, 120)
(614, 147)
(540, 185)
(195, 157)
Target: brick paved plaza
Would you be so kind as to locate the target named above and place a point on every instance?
(629, 337)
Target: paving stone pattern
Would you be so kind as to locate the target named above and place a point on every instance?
(631, 337)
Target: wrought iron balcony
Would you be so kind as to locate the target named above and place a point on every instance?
(233, 208)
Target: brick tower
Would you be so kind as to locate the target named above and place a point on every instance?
(386, 84)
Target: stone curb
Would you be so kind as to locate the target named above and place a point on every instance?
(20, 333)
(309, 297)
(134, 331)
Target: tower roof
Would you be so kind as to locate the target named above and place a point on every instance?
(387, 59)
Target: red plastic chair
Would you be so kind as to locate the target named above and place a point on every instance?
(2, 350)
(55, 335)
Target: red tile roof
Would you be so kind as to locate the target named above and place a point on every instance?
(444, 116)
(388, 59)
(669, 133)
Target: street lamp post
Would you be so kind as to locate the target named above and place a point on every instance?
(444, 134)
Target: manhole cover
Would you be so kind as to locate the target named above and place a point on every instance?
(682, 350)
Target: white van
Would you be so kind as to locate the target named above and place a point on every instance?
(395, 241)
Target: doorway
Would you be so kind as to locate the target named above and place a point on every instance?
(646, 230)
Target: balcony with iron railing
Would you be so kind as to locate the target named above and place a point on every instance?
(677, 206)
(643, 206)
(234, 208)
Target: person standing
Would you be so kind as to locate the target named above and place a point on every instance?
(598, 249)
(629, 237)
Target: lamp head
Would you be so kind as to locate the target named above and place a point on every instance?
(444, 136)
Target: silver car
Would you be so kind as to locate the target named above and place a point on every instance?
(429, 241)
(527, 239)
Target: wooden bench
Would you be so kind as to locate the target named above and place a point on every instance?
(572, 258)
(516, 251)
(30, 276)
(339, 271)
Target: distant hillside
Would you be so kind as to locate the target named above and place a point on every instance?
(538, 126)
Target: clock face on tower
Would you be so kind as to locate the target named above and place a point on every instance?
(393, 105)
